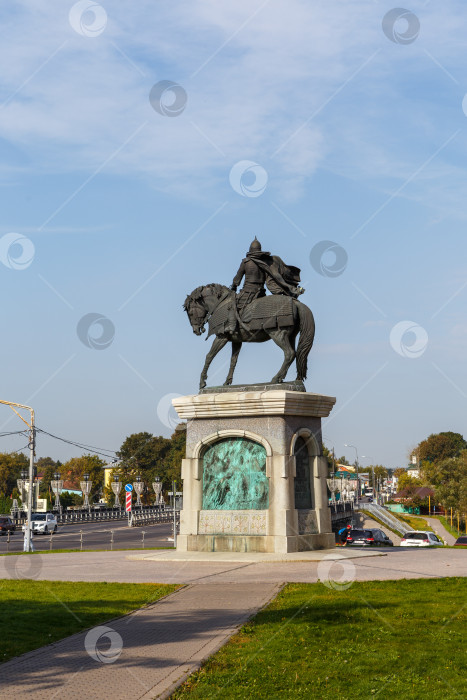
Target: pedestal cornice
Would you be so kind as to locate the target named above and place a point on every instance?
(254, 403)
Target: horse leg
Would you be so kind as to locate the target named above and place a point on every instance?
(284, 340)
(217, 345)
(236, 347)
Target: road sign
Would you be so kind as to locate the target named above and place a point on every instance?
(129, 487)
(128, 502)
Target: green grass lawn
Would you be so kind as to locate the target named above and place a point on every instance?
(416, 522)
(447, 524)
(35, 613)
(389, 639)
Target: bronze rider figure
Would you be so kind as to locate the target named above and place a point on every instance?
(259, 268)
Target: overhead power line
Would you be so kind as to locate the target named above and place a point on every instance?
(109, 454)
(13, 432)
(21, 448)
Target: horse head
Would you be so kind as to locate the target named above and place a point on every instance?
(200, 303)
(196, 310)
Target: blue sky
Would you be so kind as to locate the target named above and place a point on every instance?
(120, 210)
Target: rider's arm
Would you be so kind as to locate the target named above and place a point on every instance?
(238, 277)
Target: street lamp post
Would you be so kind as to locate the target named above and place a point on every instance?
(174, 491)
(86, 486)
(116, 488)
(139, 488)
(57, 488)
(21, 483)
(356, 469)
(157, 486)
(32, 444)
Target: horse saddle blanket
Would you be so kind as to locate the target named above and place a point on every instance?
(268, 312)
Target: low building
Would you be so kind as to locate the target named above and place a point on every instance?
(409, 493)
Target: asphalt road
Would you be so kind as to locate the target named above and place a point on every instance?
(94, 536)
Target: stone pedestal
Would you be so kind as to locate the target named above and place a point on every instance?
(254, 478)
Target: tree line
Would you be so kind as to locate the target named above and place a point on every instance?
(442, 460)
(141, 454)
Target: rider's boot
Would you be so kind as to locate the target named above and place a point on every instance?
(231, 324)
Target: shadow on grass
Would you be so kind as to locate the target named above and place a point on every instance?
(331, 612)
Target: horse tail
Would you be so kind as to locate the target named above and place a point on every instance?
(307, 334)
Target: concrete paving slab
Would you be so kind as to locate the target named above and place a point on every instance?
(115, 566)
(255, 557)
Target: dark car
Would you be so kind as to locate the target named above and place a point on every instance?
(361, 538)
(461, 541)
(369, 538)
(381, 539)
(6, 524)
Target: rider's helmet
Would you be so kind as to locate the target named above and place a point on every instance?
(255, 246)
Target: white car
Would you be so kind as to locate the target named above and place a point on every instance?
(42, 523)
(421, 538)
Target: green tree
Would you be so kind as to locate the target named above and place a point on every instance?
(70, 499)
(74, 469)
(440, 446)
(332, 463)
(11, 464)
(46, 467)
(148, 456)
(451, 483)
(405, 481)
(173, 460)
(143, 452)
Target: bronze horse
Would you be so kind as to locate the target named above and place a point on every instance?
(277, 317)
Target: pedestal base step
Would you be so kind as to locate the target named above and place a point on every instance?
(255, 543)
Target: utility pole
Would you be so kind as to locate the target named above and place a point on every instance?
(32, 446)
(174, 491)
(356, 470)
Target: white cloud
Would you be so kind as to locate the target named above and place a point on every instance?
(279, 64)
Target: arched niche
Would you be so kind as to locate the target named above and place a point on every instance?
(304, 448)
(234, 474)
(200, 447)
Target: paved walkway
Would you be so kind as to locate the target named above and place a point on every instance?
(123, 567)
(440, 530)
(156, 648)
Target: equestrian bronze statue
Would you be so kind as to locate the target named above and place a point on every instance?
(253, 316)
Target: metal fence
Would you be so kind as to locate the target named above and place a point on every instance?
(386, 517)
(81, 540)
(341, 511)
(138, 519)
(157, 514)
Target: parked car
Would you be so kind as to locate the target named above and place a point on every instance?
(361, 538)
(461, 541)
(421, 539)
(43, 523)
(381, 539)
(368, 538)
(6, 525)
